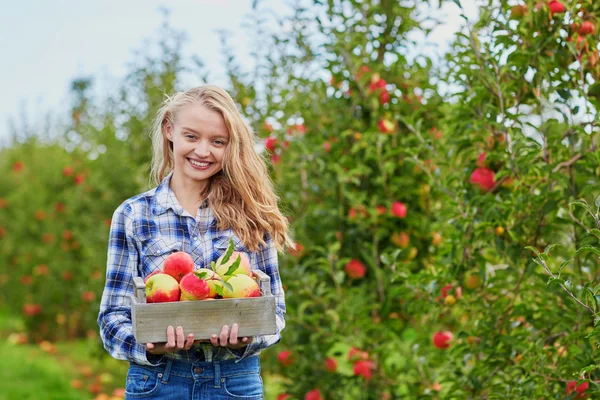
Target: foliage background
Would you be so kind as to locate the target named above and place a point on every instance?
(509, 268)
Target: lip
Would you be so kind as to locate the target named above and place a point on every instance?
(200, 168)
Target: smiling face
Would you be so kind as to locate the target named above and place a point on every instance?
(200, 137)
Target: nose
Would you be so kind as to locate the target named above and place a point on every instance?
(202, 150)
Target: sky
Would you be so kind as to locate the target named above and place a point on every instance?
(47, 44)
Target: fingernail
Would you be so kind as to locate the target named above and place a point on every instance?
(226, 327)
(214, 336)
(235, 325)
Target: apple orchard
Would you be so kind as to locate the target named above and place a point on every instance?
(446, 211)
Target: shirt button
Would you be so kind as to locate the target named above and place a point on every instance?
(197, 370)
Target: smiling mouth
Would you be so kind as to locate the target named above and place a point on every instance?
(198, 164)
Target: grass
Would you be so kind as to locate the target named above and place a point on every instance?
(30, 373)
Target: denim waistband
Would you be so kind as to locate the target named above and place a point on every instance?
(206, 370)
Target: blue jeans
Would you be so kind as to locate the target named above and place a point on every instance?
(182, 380)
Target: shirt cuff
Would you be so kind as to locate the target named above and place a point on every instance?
(250, 350)
(146, 358)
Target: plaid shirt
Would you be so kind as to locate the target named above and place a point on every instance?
(145, 229)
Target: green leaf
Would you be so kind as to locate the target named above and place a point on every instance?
(536, 251)
(234, 266)
(219, 289)
(593, 249)
(595, 332)
(597, 202)
(228, 286)
(457, 2)
(595, 232)
(550, 247)
(581, 204)
(213, 265)
(201, 274)
(229, 252)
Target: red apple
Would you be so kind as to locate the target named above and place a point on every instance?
(314, 394)
(573, 387)
(283, 396)
(285, 358)
(442, 340)
(481, 160)
(271, 143)
(79, 179)
(587, 28)
(178, 265)
(67, 171)
(162, 288)
(556, 7)
(158, 271)
(355, 269)
(484, 178)
(331, 364)
(399, 209)
(384, 97)
(193, 288)
(212, 279)
(327, 146)
(32, 309)
(355, 354)
(363, 368)
(385, 126)
(221, 266)
(243, 286)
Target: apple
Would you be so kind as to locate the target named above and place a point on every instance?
(355, 354)
(178, 265)
(241, 286)
(442, 340)
(484, 178)
(162, 288)
(193, 288)
(327, 146)
(472, 281)
(399, 209)
(556, 7)
(400, 239)
(286, 358)
(222, 266)
(355, 269)
(314, 394)
(283, 396)
(158, 271)
(385, 126)
(580, 389)
(213, 280)
(67, 171)
(587, 27)
(363, 368)
(518, 11)
(271, 143)
(331, 364)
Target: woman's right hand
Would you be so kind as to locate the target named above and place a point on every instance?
(175, 342)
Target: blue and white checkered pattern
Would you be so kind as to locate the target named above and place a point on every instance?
(145, 229)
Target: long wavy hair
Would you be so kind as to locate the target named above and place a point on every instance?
(241, 195)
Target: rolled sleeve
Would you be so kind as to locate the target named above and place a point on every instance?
(114, 317)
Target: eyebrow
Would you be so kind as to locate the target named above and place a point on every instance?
(219, 135)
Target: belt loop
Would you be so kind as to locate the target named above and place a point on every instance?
(165, 375)
(217, 368)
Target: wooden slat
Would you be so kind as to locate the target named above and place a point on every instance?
(254, 316)
(140, 289)
(264, 281)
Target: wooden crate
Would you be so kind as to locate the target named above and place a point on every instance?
(254, 315)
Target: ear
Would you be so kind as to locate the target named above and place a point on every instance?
(168, 130)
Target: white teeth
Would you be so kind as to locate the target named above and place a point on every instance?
(199, 164)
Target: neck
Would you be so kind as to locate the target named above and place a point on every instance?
(186, 190)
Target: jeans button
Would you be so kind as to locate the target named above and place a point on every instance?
(197, 370)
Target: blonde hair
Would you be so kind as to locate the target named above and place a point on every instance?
(241, 195)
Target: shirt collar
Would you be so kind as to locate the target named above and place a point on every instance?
(164, 198)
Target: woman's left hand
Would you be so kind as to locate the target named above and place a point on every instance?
(229, 338)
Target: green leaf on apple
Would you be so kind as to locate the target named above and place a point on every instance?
(228, 286)
(201, 274)
(234, 266)
(229, 252)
